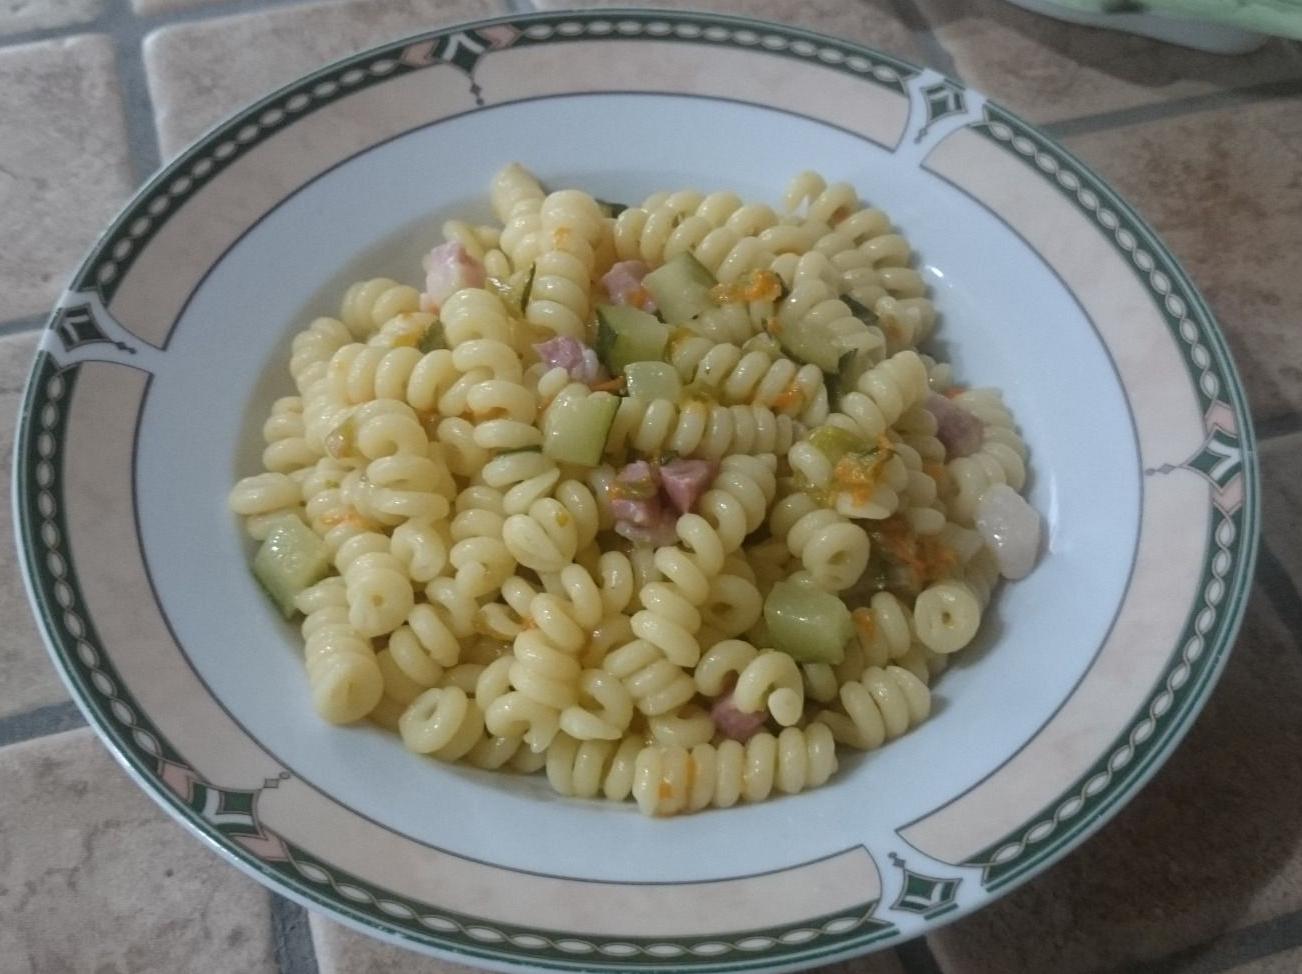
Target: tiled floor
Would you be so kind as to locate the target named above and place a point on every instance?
(1202, 873)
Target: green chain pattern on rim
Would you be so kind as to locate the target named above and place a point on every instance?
(140, 743)
(111, 259)
(1192, 667)
(149, 754)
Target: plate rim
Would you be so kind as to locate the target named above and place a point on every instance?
(1166, 729)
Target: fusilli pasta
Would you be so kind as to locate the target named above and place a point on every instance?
(531, 530)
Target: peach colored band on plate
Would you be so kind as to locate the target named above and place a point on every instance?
(1175, 513)
(154, 292)
(102, 420)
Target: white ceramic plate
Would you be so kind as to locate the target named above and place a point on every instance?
(146, 397)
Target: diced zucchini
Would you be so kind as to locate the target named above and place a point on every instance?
(433, 339)
(809, 342)
(681, 288)
(291, 559)
(808, 624)
(834, 442)
(652, 380)
(575, 428)
(626, 334)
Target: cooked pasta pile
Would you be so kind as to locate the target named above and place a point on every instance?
(663, 499)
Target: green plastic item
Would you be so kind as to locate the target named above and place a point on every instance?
(1282, 17)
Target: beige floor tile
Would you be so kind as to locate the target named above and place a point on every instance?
(95, 877)
(63, 163)
(871, 22)
(1212, 844)
(340, 950)
(27, 678)
(1047, 70)
(1223, 190)
(201, 72)
(24, 15)
(1281, 502)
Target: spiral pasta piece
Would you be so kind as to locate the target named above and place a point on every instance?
(442, 722)
(342, 673)
(585, 769)
(473, 481)
(698, 429)
(735, 377)
(879, 706)
(378, 588)
(512, 186)
(672, 780)
(884, 628)
(946, 616)
(367, 305)
(831, 548)
(546, 674)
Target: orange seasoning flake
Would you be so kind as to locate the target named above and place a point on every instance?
(864, 623)
(859, 473)
(927, 559)
(789, 398)
(755, 286)
(639, 297)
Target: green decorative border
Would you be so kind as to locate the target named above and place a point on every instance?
(1208, 634)
(227, 816)
(462, 47)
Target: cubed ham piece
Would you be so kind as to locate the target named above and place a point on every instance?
(639, 477)
(623, 282)
(958, 429)
(642, 513)
(732, 722)
(449, 268)
(684, 481)
(573, 356)
(638, 504)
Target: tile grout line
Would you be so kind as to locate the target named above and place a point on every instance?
(1229, 950)
(119, 14)
(137, 102)
(934, 53)
(916, 957)
(291, 936)
(41, 722)
(19, 326)
(1176, 108)
(933, 50)
(101, 23)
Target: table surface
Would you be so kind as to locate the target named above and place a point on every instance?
(1202, 872)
